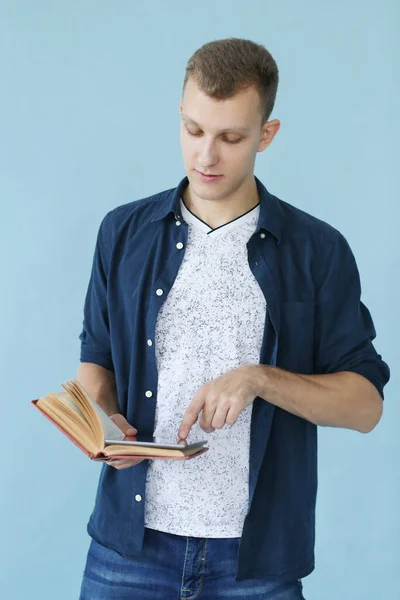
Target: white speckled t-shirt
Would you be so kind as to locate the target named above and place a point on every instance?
(212, 321)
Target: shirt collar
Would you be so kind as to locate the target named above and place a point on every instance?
(270, 217)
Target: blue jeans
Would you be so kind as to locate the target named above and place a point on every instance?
(174, 567)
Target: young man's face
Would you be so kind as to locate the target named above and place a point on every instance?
(231, 154)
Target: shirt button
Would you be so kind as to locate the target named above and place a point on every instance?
(138, 498)
(149, 343)
(148, 394)
(262, 235)
(177, 223)
(159, 292)
(179, 245)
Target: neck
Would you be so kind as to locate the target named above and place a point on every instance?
(219, 211)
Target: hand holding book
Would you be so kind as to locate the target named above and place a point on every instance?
(128, 430)
(78, 416)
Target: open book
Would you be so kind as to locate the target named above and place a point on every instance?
(85, 423)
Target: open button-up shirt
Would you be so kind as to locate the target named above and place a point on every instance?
(315, 323)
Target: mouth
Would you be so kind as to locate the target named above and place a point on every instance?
(206, 178)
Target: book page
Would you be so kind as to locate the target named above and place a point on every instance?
(110, 429)
(68, 420)
(116, 449)
(67, 400)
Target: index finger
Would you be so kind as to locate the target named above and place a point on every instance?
(191, 415)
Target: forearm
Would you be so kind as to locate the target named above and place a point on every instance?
(100, 383)
(342, 399)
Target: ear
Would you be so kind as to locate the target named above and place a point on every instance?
(180, 106)
(268, 132)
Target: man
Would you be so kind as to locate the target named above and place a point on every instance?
(216, 307)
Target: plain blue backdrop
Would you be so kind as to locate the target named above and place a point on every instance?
(89, 119)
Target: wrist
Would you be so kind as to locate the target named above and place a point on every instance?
(258, 375)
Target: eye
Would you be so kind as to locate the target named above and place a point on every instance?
(192, 133)
(198, 133)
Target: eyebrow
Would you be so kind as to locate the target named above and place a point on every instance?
(227, 130)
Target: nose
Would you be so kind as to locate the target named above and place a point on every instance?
(207, 156)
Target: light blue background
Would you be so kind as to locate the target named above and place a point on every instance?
(89, 119)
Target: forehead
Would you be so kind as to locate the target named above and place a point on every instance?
(239, 112)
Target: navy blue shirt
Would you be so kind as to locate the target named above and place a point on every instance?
(315, 323)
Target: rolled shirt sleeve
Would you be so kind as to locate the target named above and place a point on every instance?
(95, 334)
(344, 329)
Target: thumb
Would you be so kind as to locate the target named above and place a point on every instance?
(123, 424)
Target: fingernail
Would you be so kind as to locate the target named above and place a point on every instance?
(131, 431)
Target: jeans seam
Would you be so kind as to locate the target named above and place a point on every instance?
(203, 565)
(184, 566)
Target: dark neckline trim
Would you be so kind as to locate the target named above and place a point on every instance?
(219, 226)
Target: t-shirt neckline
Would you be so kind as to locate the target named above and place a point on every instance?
(201, 225)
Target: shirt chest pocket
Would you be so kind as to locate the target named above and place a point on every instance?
(296, 338)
